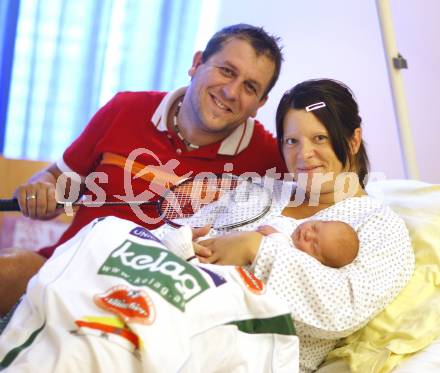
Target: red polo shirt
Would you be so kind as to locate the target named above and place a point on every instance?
(137, 121)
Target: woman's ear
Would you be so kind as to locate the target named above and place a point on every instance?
(355, 141)
(197, 61)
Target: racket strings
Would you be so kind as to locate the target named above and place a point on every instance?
(188, 198)
(220, 202)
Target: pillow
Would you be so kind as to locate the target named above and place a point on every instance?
(411, 322)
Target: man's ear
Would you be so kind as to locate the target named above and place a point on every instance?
(260, 104)
(197, 61)
(355, 141)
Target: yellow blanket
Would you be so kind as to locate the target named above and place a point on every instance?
(411, 322)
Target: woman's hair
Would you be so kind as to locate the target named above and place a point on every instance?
(340, 116)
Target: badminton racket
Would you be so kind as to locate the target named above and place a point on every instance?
(222, 200)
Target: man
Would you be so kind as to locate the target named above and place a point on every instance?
(206, 126)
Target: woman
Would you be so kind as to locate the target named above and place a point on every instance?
(319, 136)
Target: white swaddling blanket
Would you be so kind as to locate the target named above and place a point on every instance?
(114, 299)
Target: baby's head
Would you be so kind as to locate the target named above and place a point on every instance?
(333, 243)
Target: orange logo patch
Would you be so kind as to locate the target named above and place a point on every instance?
(131, 305)
(253, 283)
(86, 327)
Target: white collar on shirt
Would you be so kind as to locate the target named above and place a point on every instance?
(234, 144)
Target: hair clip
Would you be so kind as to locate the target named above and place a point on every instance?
(317, 105)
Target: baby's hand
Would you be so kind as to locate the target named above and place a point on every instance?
(265, 230)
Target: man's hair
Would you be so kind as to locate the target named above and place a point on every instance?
(257, 37)
(340, 117)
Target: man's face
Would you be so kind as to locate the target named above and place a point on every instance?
(228, 88)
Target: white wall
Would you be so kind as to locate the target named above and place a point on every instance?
(417, 28)
(341, 39)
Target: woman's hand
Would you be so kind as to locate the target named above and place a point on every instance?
(236, 248)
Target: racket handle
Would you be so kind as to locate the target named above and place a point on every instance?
(9, 205)
(12, 204)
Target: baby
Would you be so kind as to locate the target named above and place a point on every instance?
(333, 243)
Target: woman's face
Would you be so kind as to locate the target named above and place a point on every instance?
(308, 151)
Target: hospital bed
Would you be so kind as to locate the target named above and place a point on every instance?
(406, 336)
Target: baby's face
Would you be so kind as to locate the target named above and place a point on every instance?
(309, 237)
(319, 239)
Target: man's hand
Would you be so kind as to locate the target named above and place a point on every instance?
(37, 198)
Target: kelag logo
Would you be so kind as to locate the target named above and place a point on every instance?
(171, 277)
